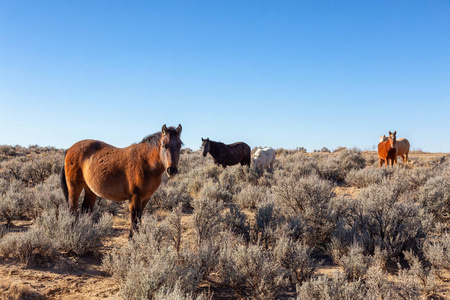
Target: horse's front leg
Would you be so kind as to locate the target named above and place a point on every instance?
(136, 214)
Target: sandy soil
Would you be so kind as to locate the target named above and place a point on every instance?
(83, 278)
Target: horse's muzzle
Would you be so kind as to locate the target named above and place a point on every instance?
(172, 171)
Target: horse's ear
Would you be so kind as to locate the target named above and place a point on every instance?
(203, 139)
(179, 129)
(395, 132)
(164, 129)
(390, 132)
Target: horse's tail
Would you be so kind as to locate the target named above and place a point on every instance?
(248, 155)
(62, 176)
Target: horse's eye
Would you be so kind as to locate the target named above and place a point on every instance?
(166, 146)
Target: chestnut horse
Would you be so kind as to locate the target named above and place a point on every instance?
(227, 155)
(118, 174)
(402, 145)
(387, 151)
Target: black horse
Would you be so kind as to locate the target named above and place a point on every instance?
(227, 155)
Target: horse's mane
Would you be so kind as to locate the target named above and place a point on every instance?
(217, 143)
(153, 139)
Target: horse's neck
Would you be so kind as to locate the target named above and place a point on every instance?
(214, 149)
(154, 158)
(387, 145)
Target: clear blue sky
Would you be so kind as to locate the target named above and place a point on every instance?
(270, 73)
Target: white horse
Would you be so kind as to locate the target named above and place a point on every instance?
(264, 159)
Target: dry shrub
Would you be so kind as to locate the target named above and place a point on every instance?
(176, 293)
(36, 170)
(336, 288)
(250, 196)
(233, 178)
(172, 193)
(251, 271)
(142, 280)
(7, 150)
(215, 192)
(377, 219)
(297, 165)
(416, 280)
(236, 222)
(296, 258)
(412, 283)
(434, 195)
(32, 169)
(4, 185)
(437, 252)
(28, 247)
(364, 177)
(301, 196)
(266, 219)
(417, 177)
(145, 264)
(47, 196)
(15, 202)
(206, 219)
(150, 266)
(10, 206)
(3, 231)
(378, 286)
(73, 235)
(10, 169)
(174, 227)
(355, 263)
(337, 166)
(308, 197)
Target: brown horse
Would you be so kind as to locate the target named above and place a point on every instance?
(387, 151)
(118, 174)
(227, 155)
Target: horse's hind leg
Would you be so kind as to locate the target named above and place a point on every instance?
(136, 207)
(74, 193)
(89, 200)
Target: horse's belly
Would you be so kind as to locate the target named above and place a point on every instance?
(110, 192)
(111, 186)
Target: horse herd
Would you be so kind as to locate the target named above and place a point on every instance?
(389, 148)
(238, 153)
(134, 173)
